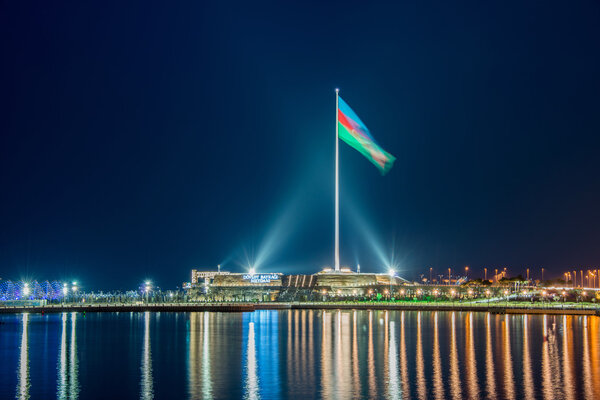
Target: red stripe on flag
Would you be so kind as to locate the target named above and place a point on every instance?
(349, 124)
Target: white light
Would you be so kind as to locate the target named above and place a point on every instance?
(148, 283)
(252, 271)
(65, 291)
(391, 272)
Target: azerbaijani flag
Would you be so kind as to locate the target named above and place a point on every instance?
(356, 134)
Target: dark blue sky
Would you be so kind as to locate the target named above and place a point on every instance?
(140, 141)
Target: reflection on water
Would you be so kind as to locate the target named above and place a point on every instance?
(23, 370)
(438, 384)
(490, 375)
(146, 385)
(251, 388)
(67, 366)
(420, 362)
(509, 380)
(304, 354)
(455, 379)
(403, 360)
(527, 374)
(471, 363)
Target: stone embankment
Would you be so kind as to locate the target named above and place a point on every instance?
(249, 307)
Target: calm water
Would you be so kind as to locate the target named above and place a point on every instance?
(299, 354)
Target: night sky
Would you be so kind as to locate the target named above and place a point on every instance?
(140, 141)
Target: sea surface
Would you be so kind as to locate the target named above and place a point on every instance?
(299, 354)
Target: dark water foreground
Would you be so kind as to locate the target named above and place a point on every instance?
(299, 354)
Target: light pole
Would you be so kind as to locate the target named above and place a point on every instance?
(449, 276)
(391, 273)
(430, 276)
(147, 289)
(467, 272)
(485, 274)
(65, 291)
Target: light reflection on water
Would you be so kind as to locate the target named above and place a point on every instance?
(146, 382)
(23, 370)
(67, 367)
(302, 354)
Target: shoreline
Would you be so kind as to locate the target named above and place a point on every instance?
(250, 307)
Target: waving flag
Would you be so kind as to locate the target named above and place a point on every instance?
(356, 134)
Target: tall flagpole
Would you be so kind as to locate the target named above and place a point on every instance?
(337, 186)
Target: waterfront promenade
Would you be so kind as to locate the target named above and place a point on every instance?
(496, 307)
